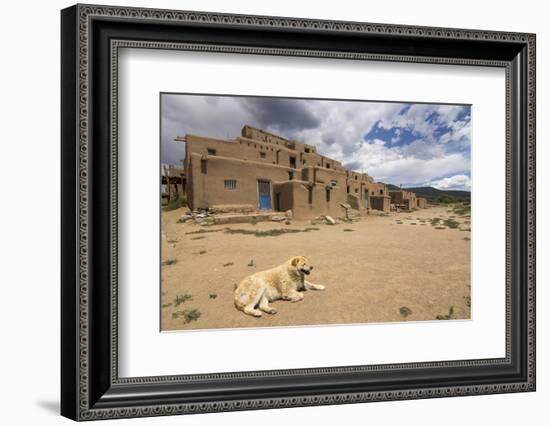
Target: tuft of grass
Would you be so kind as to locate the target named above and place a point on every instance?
(200, 237)
(251, 263)
(462, 209)
(468, 301)
(169, 262)
(446, 316)
(228, 264)
(405, 311)
(440, 227)
(451, 223)
(348, 230)
(202, 252)
(203, 231)
(466, 238)
(413, 223)
(435, 221)
(268, 233)
(175, 203)
(188, 315)
(170, 241)
(166, 305)
(212, 295)
(399, 222)
(182, 299)
(466, 229)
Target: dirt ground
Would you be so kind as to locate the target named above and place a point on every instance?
(382, 268)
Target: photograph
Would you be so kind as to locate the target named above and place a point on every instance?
(280, 212)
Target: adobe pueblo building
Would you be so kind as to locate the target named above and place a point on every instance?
(263, 171)
(402, 199)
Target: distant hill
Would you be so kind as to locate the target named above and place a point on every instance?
(436, 195)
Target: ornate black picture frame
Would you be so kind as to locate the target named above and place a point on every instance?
(91, 37)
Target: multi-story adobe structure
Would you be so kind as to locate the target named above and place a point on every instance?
(259, 170)
(403, 199)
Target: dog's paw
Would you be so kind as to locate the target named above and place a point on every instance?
(320, 287)
(272, 311)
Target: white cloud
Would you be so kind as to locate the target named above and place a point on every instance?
(457, 182)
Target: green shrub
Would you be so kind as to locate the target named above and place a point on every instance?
(175, 203)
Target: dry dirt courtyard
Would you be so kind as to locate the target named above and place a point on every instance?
(407, 266)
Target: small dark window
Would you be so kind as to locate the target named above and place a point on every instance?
(381, 192)
(211, 151)
(347, 189)
(290, 175)
(310, 195)
(327, 192)
(355, 177)
(356, 190)
(203, 166)
(306, 150)
(292, 162)
(262, 154)
(328, 166)
(230, 184)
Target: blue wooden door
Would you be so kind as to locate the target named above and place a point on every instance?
(264, 194)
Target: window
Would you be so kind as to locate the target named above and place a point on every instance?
(327, 192)
(347, 189)
(203, 166)
(211, 151)
(230, 184)
(292, 162)
(355, 177)
(310, 195)
(306, 150)
(262, 154)
(290, 175)
(333, 183)
(356, 190)
(328, 166)
(381, 192)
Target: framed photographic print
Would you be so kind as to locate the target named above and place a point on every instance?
(263, 212)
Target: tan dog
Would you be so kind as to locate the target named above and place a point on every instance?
(282, 282)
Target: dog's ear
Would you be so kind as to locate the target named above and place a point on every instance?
(295, 261)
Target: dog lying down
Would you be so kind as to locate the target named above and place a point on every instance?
(286, 281)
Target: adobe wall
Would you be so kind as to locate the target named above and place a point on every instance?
(305, 206)
(207, 189)
(421, 203)
(380, 202)
(377, 189)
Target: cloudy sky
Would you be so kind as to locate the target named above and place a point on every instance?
(407, 144)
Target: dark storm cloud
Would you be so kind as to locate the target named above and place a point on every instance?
(285, 115)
